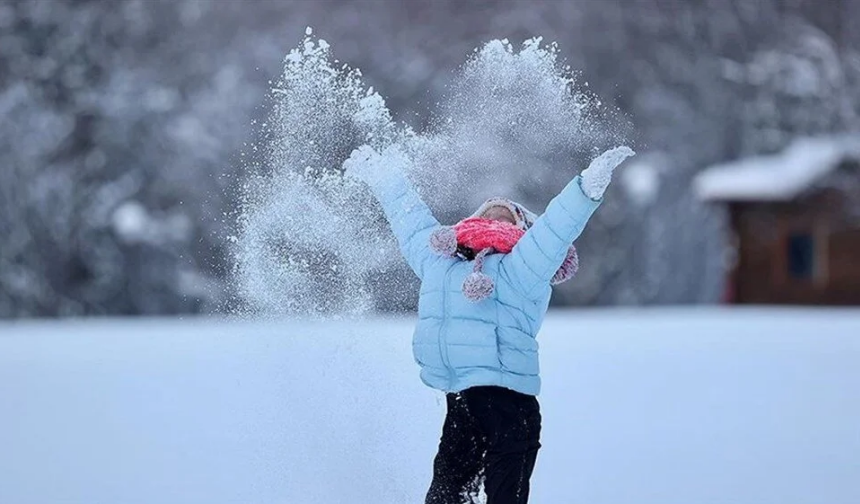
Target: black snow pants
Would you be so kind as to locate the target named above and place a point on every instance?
(491, 436)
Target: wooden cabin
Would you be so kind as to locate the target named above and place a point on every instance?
(794, 233)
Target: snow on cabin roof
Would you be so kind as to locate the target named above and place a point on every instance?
(777, 177)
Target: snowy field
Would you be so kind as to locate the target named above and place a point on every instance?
(663, 407)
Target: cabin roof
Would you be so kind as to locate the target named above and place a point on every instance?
(777, 177)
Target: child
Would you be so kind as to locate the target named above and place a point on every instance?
(485, 288)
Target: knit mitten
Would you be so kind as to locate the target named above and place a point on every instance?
(595, 179)
(375, 169)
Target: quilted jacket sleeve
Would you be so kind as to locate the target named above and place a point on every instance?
(540, 252)
(410, 219)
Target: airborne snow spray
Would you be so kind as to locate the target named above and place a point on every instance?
(313, 243)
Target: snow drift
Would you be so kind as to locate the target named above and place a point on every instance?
(663, 407)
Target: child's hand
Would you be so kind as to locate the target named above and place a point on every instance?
(360, 163)
(373, 168)
(596, 178)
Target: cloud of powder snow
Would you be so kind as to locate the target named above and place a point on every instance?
(311, 242)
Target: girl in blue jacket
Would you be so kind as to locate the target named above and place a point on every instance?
(485, 288)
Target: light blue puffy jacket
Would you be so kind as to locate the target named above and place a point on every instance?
(460, 344)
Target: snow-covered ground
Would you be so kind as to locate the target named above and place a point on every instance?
(664, 407)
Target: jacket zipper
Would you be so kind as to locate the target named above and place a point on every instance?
(443, 342)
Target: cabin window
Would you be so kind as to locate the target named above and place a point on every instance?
(801, 256)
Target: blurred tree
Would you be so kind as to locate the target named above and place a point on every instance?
(125, 125)
(115, 139)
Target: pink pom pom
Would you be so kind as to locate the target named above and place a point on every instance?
(477, 287)
(568, 268)
(444, 241)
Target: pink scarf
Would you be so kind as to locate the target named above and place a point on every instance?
(478, 234)
(483, 237)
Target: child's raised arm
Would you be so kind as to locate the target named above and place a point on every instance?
(541, 251)
(410, 219)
